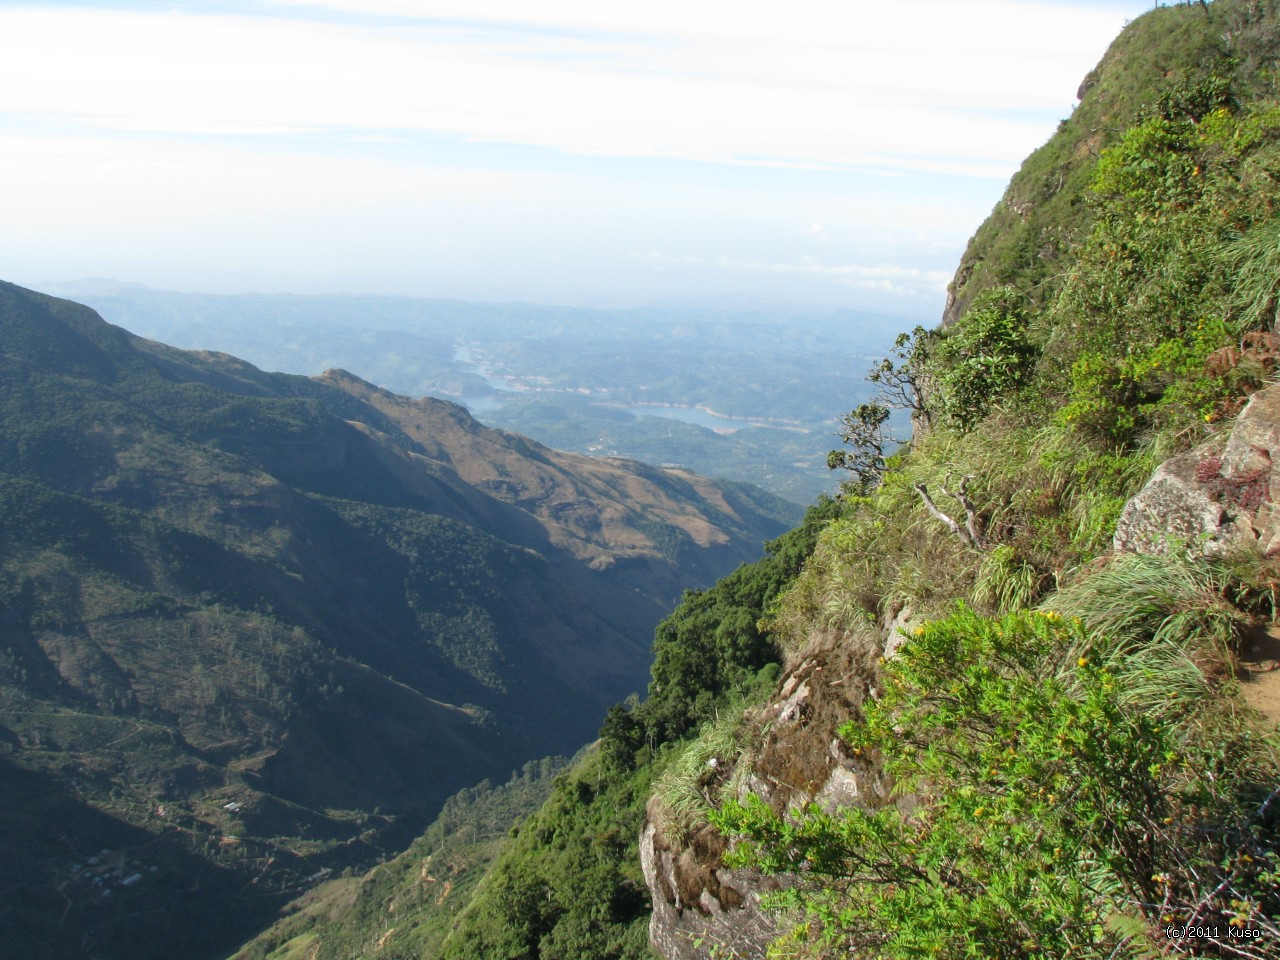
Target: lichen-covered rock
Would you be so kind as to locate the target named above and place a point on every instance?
(1176, 510)
(1217, 497)
(699, 905)
(898, 626)
(701, 908)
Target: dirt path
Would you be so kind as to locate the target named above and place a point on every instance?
(1259, 673)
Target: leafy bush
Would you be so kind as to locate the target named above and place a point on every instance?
(982, 359)
(1041, 813)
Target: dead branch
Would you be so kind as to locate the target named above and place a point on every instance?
(969, 534)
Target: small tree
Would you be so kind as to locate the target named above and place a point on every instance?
(900, 378)
(863, 430)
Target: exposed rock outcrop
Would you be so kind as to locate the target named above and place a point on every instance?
(699, 904)
(1217, 497)
(897, 627)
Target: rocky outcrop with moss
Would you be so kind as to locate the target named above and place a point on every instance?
(1218, 498)
(796, 757)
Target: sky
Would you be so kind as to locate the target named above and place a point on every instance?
(830, 152)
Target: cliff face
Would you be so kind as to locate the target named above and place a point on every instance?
(1062, 472)
(1042, 215)
(698, 902)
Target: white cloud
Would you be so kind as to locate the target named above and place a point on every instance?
(889, 278)
(819, 83)
(410, 143)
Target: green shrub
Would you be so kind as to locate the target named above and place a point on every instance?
(1042, 812)
(983, 359)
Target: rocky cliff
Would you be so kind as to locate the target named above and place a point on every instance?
(1145, 425)
(799, 758)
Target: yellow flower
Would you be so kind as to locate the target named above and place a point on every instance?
(1082, 662)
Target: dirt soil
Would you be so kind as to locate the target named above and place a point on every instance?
(1259, 672)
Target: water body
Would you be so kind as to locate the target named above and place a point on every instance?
(702, 418)
(479, 405)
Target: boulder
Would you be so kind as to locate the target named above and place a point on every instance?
(897, 627)
(1220, 496)
(701, 907)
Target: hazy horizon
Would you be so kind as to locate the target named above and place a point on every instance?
(824, 154)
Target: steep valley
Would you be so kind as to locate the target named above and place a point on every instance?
(1001, 697)
(257, 627)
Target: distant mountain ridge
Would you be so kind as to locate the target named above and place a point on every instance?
(631, 382)
(256, 627)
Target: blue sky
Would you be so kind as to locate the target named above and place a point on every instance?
(835, 152)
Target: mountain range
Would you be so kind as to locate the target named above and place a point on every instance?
(645, 383)
(256, 627)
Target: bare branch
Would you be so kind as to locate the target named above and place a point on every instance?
(970, 512)
(969, 533)
(945, 520)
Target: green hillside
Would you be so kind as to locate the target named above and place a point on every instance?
(567, 883)
(407, 906)
(256, 627)
(1057, 761)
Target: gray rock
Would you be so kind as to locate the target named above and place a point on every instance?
(1255, 441)
(702, 909)
(898, 629)
(1176, 511)
(1217, 497)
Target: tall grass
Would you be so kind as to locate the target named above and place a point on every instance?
(1162, 625)
(692, 783)
(1253, 261)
